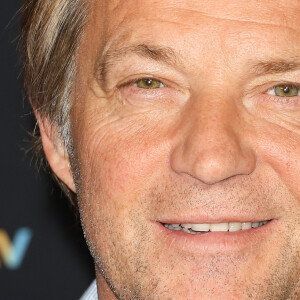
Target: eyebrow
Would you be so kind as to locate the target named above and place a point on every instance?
(169, 56)
(110, 58)
(276, 66)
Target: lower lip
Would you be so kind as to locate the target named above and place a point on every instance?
(215, 241)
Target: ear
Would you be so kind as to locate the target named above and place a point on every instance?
(55, 152)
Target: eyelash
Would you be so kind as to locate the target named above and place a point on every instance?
(162, 84)
(134, 82)
(284, 100)
(136, 89)
(272, 91)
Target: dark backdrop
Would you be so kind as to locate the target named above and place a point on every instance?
(52, 263)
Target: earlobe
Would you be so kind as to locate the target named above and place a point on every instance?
(55, 152)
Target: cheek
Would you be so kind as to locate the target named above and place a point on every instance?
(121, 161)
(280, 148)
(124, 168)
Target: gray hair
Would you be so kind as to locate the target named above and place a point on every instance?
(50, 35)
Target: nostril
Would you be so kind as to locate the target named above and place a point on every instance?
(212, 144)
(212, 170)
(213, 164)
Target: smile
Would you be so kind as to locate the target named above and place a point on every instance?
(214, 227)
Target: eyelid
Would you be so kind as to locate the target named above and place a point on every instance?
(292, 84)
(161, 84)
(137, 79)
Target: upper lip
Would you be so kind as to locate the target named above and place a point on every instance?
(213, 218)
(218, 214)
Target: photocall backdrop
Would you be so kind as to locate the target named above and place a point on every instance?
(42, 251)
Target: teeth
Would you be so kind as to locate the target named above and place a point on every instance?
(255, 225)
(201, 227)
(206, 227)
(186, 230)
(177, 228)
(175, 225)
(219, 227)
(235, 226)
(246, 225)
(186, 225)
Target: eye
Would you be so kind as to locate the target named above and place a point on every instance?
(148, 83)
(284, 90)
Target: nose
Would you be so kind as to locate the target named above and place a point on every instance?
(211, 143)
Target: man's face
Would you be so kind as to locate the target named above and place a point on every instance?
(188, 112)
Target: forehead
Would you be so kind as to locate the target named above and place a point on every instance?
(228, 29)
(114, 21)
(188, 12)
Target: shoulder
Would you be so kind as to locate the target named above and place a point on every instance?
(91, 292)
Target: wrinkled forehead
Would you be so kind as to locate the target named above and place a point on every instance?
(118, 12)
(176, 23)
(114, 20)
